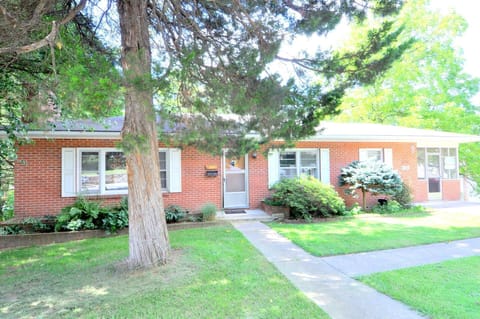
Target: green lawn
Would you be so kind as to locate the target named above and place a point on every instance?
(445, 290)
(214, 273)
(368, 233)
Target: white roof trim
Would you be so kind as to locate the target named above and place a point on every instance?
(356, 132)
(73, 135)
(327, 132)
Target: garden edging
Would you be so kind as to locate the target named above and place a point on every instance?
(39, 239)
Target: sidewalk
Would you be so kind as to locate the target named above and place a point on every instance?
(354, 265)
(327, 280)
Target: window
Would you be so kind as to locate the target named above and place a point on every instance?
(115, 171)
(104, 171)
(299, 162)
(384, 155)
(163, 168)
(421, 163)
(90, 172)
(448, 165)
(371, 154)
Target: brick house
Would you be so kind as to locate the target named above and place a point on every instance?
(82, 159)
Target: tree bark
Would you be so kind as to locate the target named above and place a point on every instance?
(364, 199)
(148, 235)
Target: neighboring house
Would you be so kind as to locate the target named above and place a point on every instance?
(64, 163)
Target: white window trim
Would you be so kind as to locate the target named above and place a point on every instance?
(297, 159)
(386, 154)
(167, 162)
(323, 164)
(101, 170)
(370, 149)
(71, 171)
(457, 177)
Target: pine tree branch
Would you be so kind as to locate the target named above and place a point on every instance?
(49, 39)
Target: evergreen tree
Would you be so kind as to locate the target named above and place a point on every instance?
(204, 59)
(372, 177)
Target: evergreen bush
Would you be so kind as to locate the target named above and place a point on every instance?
(404, 196)
(370, 177)
(307, 197)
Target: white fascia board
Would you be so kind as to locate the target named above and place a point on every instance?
(430, 140)
(438, 143)
(73, 135)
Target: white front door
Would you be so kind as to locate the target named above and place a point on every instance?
(235, 185)
(434, 177)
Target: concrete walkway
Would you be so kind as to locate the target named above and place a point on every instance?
(354, 265)
(327, 280)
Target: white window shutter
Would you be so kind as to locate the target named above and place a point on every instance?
(388, 157)
(273, 167)
(68, 172)
(325, 165)
(174, 171)
(363, 155)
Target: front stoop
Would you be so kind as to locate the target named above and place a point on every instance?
(250, 215)
(278, 212)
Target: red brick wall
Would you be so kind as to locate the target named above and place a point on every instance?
(38, 175)
(343, 153)
(451, 189)
(421, 190)
(257, 179)
(197, 189)
(38, 178)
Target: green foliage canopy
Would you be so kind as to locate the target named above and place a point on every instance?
(307, 197)
(428, 87)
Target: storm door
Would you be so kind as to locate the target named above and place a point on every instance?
(235, 182)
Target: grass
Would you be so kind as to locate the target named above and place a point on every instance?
(214, 273)
(377, 232)
(441, 291)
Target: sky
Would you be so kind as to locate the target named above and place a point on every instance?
(469, 43)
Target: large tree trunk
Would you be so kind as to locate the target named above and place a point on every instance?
(148, 236)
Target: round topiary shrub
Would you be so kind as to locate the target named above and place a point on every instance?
(307, 197)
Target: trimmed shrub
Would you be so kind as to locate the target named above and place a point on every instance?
(370, 177)
(404, 196)
(271, 202)
(173, 213)
(390, 207)
(209, 211)
(307, 197)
